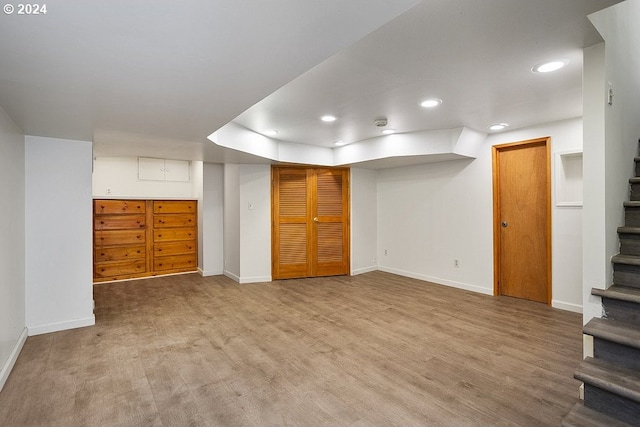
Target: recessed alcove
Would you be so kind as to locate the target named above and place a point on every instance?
(568, 179)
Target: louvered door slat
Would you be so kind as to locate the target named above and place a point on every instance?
(333, 222)
(329, 194)
(330, 242)
(293, 196)
(290, 253)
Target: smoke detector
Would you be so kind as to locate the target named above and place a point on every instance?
(382, 122)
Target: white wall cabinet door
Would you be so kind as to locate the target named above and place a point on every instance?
(150, 169)
(176, 170)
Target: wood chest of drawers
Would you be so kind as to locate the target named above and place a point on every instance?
(140, 238)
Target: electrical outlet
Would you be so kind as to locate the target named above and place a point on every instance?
(108, 190)
(456, 263)
(386, 252)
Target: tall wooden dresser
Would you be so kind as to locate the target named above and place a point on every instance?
(140, 238)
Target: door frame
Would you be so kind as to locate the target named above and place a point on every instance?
(497, 214)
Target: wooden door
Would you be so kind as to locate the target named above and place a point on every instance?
(522, 220)
(310, 222)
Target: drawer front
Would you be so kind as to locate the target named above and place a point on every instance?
(170, 234)
(174, 220)
(174, 206)
(118, 206)
(115, 270)
(118, 237)
(174, 248)
(118, 222)
(177, 262)
(119, 253)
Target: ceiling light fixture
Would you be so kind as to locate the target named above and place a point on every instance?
(270, 132)
(339, 143)
(498, 126)
(388, 131)
(549, 66)
(431, 102)
(328, 118)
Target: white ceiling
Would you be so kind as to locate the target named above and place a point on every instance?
(156, 77)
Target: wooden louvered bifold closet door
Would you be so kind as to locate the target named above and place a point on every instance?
(310, 209)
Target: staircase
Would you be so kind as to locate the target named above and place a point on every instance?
(612, 377)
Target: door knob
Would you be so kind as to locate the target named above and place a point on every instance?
(505, 224)
(315, 219)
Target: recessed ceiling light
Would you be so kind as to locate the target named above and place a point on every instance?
(270, 132)
(328, 118)
(547, 67)
(339, 143)
(388, 131)
(498, 126)
(431, 102)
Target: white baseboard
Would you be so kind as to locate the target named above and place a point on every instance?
(364, 270)
(62, 326)
(256, 279)
(13, 357)
(231, 276)
(576, 308)
(439, 281)
(209, 273)
(581, 392)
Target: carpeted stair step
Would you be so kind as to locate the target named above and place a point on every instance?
(634, 184)
(637, 160)
(581, 416)
(620, 303)
(610, 389)
(626, 270)
(614, 341)
(632, 213)
(629, 240)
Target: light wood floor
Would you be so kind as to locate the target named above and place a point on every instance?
(374, 349)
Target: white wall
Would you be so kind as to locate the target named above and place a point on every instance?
(12, 248)
(210, 221)
(610, 155)
(255, 223)
(597, 271)
(120, 175)
(429, 215)
(247, 222)
(231, 237)
(364, 219)
(58, 246)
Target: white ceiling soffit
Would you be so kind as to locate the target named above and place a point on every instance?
(474, 55)
(165, 69)
(379, 152)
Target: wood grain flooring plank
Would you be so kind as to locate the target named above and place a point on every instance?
(373, 349)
